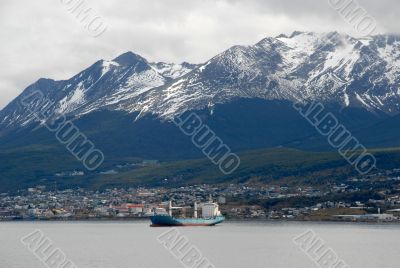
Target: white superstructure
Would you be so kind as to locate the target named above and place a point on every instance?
(210, 210)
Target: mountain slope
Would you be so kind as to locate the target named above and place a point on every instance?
(277, 165)
(245, 95)
(331, 67)
(102, 85)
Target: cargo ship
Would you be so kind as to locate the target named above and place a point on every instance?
(210, 216)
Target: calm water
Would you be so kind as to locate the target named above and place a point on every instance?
(232, 244)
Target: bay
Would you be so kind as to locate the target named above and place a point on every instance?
(231, 244)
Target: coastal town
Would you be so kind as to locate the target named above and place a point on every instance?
(352, 200)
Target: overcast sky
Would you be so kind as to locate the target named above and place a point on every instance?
(43, 39)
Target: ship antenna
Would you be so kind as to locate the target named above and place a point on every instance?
(195, 210)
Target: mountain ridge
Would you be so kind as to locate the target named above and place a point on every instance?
(326, 67)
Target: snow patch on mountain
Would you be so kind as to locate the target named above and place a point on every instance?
(68, 103)
(300, 47)
(107, 66)
(391, 55)
(342, 58)
(171, 70)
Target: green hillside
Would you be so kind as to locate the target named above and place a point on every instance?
(38, 165)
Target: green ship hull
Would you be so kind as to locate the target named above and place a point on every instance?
(166, 220)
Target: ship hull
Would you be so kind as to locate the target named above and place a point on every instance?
(166, 220)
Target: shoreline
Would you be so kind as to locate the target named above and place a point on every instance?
(142, 219)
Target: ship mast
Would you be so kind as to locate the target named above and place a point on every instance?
(195, 210)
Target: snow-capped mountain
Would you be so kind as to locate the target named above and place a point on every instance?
(104, 84)
(328, 67)
(302, 67)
